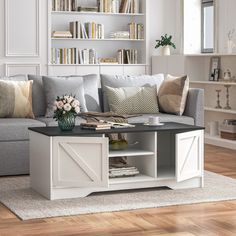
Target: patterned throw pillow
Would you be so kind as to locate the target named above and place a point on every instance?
(133, 100)
(173, 94)
(16, 99)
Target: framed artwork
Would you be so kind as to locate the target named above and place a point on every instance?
(214, 69)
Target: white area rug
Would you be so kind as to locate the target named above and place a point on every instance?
(16, 194)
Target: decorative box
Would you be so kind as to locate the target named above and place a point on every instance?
(228, 131)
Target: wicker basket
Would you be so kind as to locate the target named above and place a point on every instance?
(228, 131)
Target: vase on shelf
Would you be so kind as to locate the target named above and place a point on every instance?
(166, 51)
(67, 122)
(230, 46)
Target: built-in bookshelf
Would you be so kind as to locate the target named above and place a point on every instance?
(101, 33)
(197, 67)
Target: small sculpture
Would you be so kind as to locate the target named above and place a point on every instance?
(227, 75)
(218, 106)
(230, 43)
(227, 107)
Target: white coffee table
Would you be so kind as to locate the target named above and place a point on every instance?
(75, 164)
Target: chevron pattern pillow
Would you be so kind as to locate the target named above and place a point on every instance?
(16, 99)
(133, 100)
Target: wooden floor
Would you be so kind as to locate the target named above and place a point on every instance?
(199, 219)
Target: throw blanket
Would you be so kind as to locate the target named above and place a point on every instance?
(107, 116)
(113, 117)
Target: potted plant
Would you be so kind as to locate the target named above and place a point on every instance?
(65, 110)
(165, 42)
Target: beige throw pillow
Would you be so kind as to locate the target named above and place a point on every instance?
(16, 99)
(173, 94)
(133, 100)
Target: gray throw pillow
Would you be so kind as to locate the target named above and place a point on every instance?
(91, 86)
(133, 100)
(117, 81)
(58, 86)
(39, 101)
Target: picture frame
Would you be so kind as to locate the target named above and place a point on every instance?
(214, 69)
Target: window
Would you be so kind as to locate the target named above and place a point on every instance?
(207, 26)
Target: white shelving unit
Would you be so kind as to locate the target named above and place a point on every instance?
(135, 179)
(107, 47)
(197, 67)
(95, 13)
(220, 110)
(130, 152)
(213, 83)
(218, 141)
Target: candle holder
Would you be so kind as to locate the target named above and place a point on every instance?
(227, 107)
(218, 106)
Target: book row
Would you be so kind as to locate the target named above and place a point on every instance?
(117, 6)
(67, 56)
(64, 5)
(88, 30)
(136, 31)
(92, 30)
(127, 56)
(73, 56)
(106, 6)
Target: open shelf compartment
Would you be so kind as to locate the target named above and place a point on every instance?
(143, 157)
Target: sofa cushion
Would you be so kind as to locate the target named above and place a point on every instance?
(59, 86)
(16, 129)
(91, 87)
(116, 81)
(173, 94)
(132, 100)
(39, 101)
(52, 122)
(16, 99)
(163, 118)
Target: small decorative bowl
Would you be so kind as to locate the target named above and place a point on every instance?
(117, 145)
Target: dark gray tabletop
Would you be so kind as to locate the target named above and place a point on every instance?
(77, 131)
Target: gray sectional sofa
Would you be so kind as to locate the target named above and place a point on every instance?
(14, 137)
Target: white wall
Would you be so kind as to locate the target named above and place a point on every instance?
(163, 16)
(23, 36)
(226, 21)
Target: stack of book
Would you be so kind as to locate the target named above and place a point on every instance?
(136, 31)
(61, 34)
(120, 35)
(95, 125)
(129, 6)
(64, 5)
(73, 56)
(87, 9)
(88, 30)
(108, 60)
(127, 56)
(109, 6)
(122, 170)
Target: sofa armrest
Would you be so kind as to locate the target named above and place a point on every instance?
(195, 106)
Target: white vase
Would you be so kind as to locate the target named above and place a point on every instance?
(230, 46)
(166, 51)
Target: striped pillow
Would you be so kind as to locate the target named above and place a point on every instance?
(133, 100)
(16, 99)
